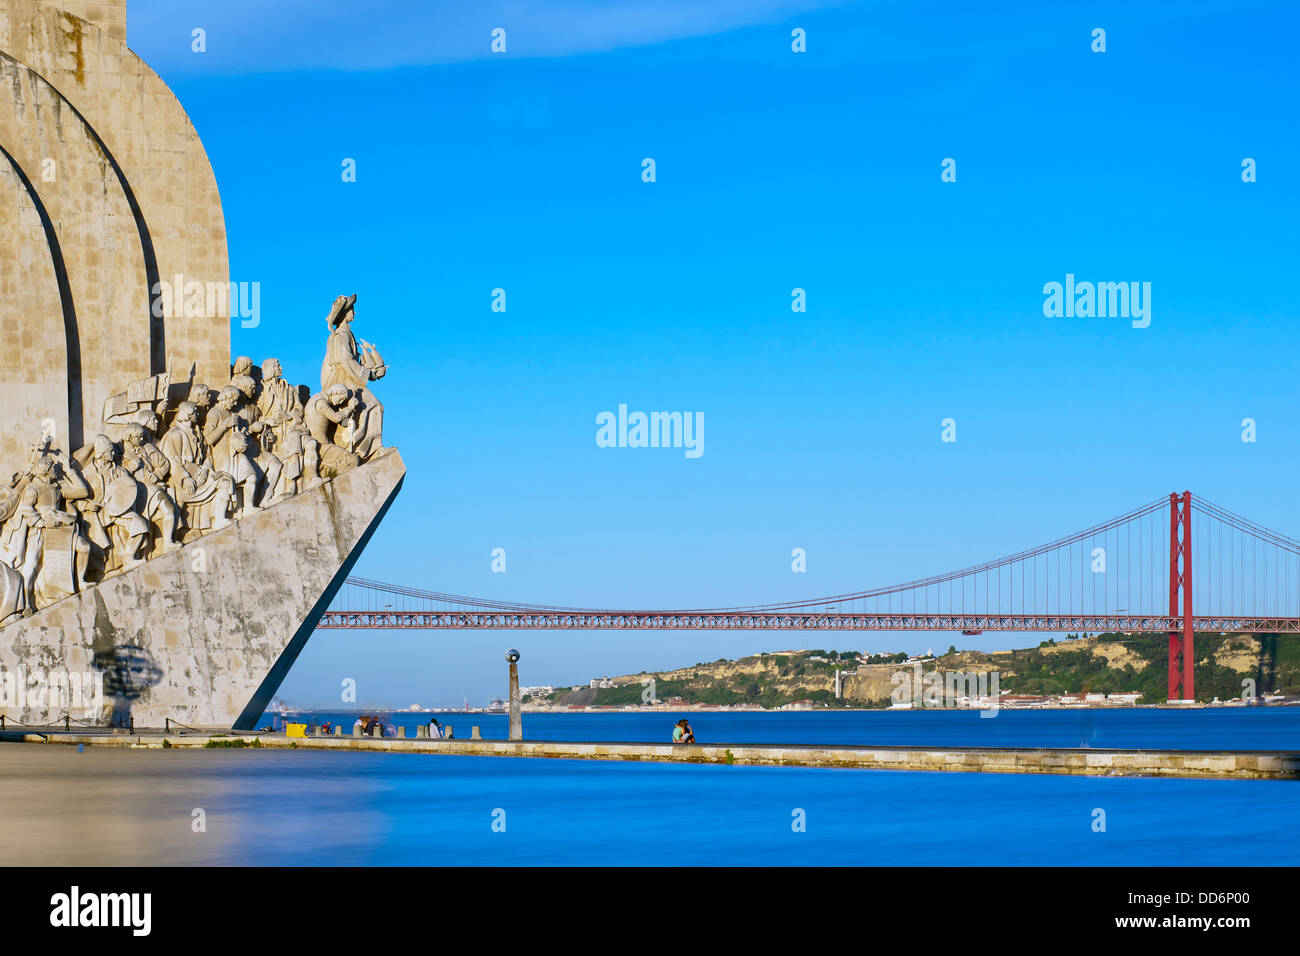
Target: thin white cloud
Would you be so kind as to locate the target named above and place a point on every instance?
(255, 36)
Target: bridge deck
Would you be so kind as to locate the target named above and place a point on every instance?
(801, 621)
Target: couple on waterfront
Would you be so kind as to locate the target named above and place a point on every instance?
(682, 733)
(371, 726)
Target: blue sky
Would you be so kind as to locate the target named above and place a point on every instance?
(775, 170)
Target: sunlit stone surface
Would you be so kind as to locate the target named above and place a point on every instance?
(205, 634)
(171, 526)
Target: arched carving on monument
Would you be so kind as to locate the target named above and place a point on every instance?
(157, 328)
(66, 162)
(183, 554)
(72, 337)
(147, 133)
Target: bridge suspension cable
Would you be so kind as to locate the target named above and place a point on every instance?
(1135, 573)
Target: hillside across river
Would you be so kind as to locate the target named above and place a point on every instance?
(1083, 671)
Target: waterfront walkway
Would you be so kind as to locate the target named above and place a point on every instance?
(1247, 764)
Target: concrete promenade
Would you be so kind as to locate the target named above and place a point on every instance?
(1259, 765)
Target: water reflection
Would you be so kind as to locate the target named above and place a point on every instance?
(107, 806)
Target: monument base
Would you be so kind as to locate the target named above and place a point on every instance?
(205, 635)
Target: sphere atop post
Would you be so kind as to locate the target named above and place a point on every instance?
(512, 655)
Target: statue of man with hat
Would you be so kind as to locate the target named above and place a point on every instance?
(354, 367)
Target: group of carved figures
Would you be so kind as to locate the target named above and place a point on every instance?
(163, 476)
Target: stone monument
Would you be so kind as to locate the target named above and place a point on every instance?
(172, 525)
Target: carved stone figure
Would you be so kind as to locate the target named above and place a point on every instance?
(330, 416)
(299, 452)
(354, 368)
(278, 398)
(143, 396)
(201, 397)
(113, 504)
(12, 593)
(249, 413)
(12, 600)
(41, 539)
(219, 424)
(150, 467)
(112, 521)
(243, 366)
(201, 490)
(243, 469)
(148, 420)
(227, 434)
(246, 408)
(116, 271)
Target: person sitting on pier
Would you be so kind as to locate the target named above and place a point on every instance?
(435, 731)
(689, 737)
(679, 732)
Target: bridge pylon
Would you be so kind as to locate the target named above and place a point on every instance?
(1182, 658)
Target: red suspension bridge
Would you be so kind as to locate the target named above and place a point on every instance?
(1134, 574)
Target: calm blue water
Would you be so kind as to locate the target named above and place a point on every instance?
(314, 808)
(311, 808)
(393, 809)
(1249, 728)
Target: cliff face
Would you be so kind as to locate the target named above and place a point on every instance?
(1108, 663)
(1226, 666)
(872, 683)
(787, 672)
(768, 680)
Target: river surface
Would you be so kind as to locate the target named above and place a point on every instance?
(108, 806)
(1231, 728)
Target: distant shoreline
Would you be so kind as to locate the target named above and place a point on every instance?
(705, 709)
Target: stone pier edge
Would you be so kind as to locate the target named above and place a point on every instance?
(1258, 765)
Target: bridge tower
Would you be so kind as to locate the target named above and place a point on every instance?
(1182, 658)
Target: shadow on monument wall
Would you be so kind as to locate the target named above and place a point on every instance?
(128, 673)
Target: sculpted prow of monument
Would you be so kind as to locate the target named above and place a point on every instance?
(172, 523)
